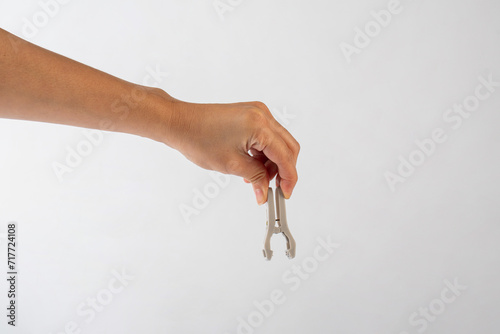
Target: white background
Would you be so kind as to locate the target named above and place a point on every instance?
(119, 210)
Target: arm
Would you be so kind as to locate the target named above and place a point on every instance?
(39, 85)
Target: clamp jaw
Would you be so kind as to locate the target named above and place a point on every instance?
(280, 218)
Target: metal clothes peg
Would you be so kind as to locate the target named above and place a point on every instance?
(280, 219)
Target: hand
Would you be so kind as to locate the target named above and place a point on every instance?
(242, 139)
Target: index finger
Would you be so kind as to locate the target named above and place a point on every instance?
(291, 142)
(275, 148)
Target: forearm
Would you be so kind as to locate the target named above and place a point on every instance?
(39, 85)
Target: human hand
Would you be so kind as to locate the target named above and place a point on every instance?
(242, 139)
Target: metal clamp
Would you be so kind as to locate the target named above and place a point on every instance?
(280, 219)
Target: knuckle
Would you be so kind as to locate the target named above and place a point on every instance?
(259, 105)
(258, 175)
(294, 177)
(293, 170)
(264, 135)
(297, 148)
(256, 117)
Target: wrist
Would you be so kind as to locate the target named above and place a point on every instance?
(167, 117)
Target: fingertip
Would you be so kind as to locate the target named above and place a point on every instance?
(260, 194)
(287, 188)
(265, 197)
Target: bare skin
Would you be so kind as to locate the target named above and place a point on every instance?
(242, 139)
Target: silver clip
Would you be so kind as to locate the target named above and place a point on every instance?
(280, 219)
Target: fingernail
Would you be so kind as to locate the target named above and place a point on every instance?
(259, 194)
(286, 194)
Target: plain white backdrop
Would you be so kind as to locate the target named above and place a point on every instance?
(357, 115)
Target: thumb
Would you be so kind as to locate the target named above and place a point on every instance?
(256, 173)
